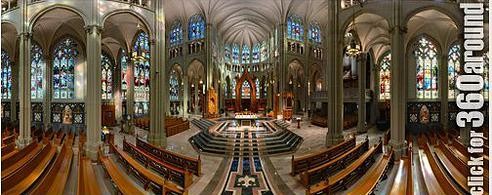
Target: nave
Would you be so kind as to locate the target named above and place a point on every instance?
(235, 97)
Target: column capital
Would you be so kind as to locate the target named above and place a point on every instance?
(152, 41)
(26, 35)
(93, 27)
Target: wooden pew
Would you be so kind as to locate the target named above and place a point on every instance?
(150, 180)
(175, 159)
(60, 136)
(179, 176)
(121, 182)
(8, 149)
(346, 177)
(86, 181)
(14, 162)
(310, 161)
(455, 166)
(403, 183)
(378, 174)
(54, 182)
(9, 139)
(24, 178)
(435, 180)
(320, 173)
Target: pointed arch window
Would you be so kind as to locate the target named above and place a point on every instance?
(141, 73)
(124, 73)
(427, 69)
(227, 53)
(454, 67)
(107, 69)
(256, 53)
(37, 72)
(173, 87)
(385, 77)
(176, 35)
(233, 88)
(196, 27)
(6, 76)
(245, 54)
(314, 33)
(264, 51)
(235, 54)
(258, 87)
(64, 61)
(295, 28)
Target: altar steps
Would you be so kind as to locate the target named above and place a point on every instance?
(277, 139)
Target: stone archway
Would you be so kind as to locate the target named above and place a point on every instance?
(239, 101)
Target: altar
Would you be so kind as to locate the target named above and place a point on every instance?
(245, 118)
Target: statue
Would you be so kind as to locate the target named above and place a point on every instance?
(67, 115)
(424, 115)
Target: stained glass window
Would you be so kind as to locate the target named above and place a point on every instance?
(173, 87)
(427, 69)
(141, 72)
(385, 77)
(257, 85)
(6, 75)
(454, 67)
(124, 73)
(106, 76)
(227, 53)
(486, 76)
(245, 54)
(314, 33)
(295, 28)
(256, 53)
(233, 90)
(176, 34)
(196, 27)
(64, 61)
(264, 51)
(245, 90)
(235, 54)
(37, 71)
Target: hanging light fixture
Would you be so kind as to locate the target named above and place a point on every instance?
(353, 48)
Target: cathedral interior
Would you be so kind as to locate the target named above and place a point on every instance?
(235, 97)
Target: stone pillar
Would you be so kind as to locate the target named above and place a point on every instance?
(24, 89)
(443, 75)
(24, 86)
(361, 61)
(93, 97)
(48, 83)
(335, 76)
(159, 96)
(197, 86)
(282, 65)
(186, 91)
(130, 93)
(398, 83)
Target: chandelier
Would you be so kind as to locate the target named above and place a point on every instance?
(353, 49)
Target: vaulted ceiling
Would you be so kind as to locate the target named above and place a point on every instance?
(246, 21)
